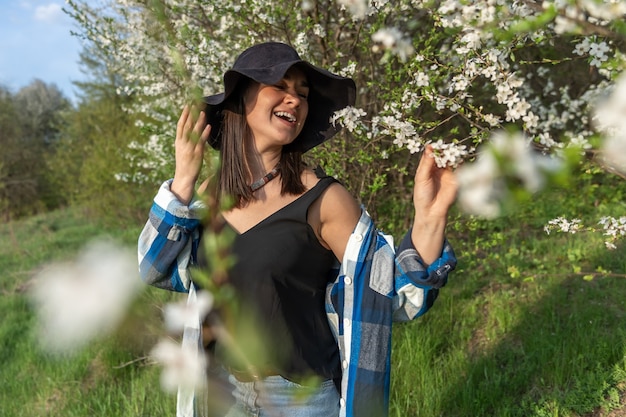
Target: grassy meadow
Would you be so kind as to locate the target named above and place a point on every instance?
(528, 325)
(112, 376)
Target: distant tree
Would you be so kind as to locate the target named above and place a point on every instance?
(40, 107)
(30, 122)
(92, 152)
(18, 185)
(9, 130)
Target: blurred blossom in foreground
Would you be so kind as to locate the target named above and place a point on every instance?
(610, 119)
(357, 8)
(480, 188)
(182, 366)
(177, 315)
(506, 160)
(87, 298)
(391, 39)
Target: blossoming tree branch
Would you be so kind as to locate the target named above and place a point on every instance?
(452, 74)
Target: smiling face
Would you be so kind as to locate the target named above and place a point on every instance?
(276, 113)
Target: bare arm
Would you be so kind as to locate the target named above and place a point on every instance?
(434, 192)
(339, 214)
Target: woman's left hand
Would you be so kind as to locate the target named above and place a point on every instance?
(434, 192)
(435, 188)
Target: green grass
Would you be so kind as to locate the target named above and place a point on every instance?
(519, 330)
(104, 379)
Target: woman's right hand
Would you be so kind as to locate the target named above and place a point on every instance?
(191, 138)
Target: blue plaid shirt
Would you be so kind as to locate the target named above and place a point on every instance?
(375, 286)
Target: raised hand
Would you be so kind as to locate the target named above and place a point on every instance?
(192, 133)
(434, 192)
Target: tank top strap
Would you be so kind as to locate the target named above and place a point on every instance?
(313, 194)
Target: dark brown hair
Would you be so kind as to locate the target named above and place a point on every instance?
(233, 177)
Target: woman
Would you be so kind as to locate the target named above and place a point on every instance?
(293, 226)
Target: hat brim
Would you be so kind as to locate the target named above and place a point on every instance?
(327, 94)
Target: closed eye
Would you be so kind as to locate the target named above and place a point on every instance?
(302, 94)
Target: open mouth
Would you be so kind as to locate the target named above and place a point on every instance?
(286, 116)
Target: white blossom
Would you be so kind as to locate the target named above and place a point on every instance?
(480, 189)
(182, 366)
(448, 154)
(564, 25)
(348, 70)
(319, 30)
(307, 5)
(421, 79)
(482, 183)
(526, 165)
(546, 140)
(605, 10)
(582, 47)
(392, 39)
(598, 53)
(610, 119)
(562, 224)
(402, 131)
(87, 298)
(413, 146)
(492, 119)
(358, 8)
(612, 226)
(176, 315)
(349, 117)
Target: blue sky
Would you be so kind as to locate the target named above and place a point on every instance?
(35, 43)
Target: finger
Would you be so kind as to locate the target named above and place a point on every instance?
(448, 186)
(200, 125)
(189, 123)
(182, 119)
(206, 133)
(426, 164)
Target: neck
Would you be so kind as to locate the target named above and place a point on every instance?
(260, 164)
(260, 183)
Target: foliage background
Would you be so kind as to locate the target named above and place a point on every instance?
(532, 324)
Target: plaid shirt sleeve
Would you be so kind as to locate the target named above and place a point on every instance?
(376, 286)
(417, 285)
(168, 244)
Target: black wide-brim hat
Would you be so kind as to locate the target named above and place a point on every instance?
(267, 63)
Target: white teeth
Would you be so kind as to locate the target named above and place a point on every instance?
(290, 117)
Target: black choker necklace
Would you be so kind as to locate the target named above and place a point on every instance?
(260, 183)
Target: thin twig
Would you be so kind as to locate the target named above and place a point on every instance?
(145, 359)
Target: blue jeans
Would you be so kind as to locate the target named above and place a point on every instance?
(276, 396)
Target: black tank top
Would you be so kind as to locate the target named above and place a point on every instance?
(280, 277)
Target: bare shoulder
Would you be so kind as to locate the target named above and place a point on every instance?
(336, 198)
(338, 203)
(339, 213)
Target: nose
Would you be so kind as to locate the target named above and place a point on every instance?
(292, 97)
